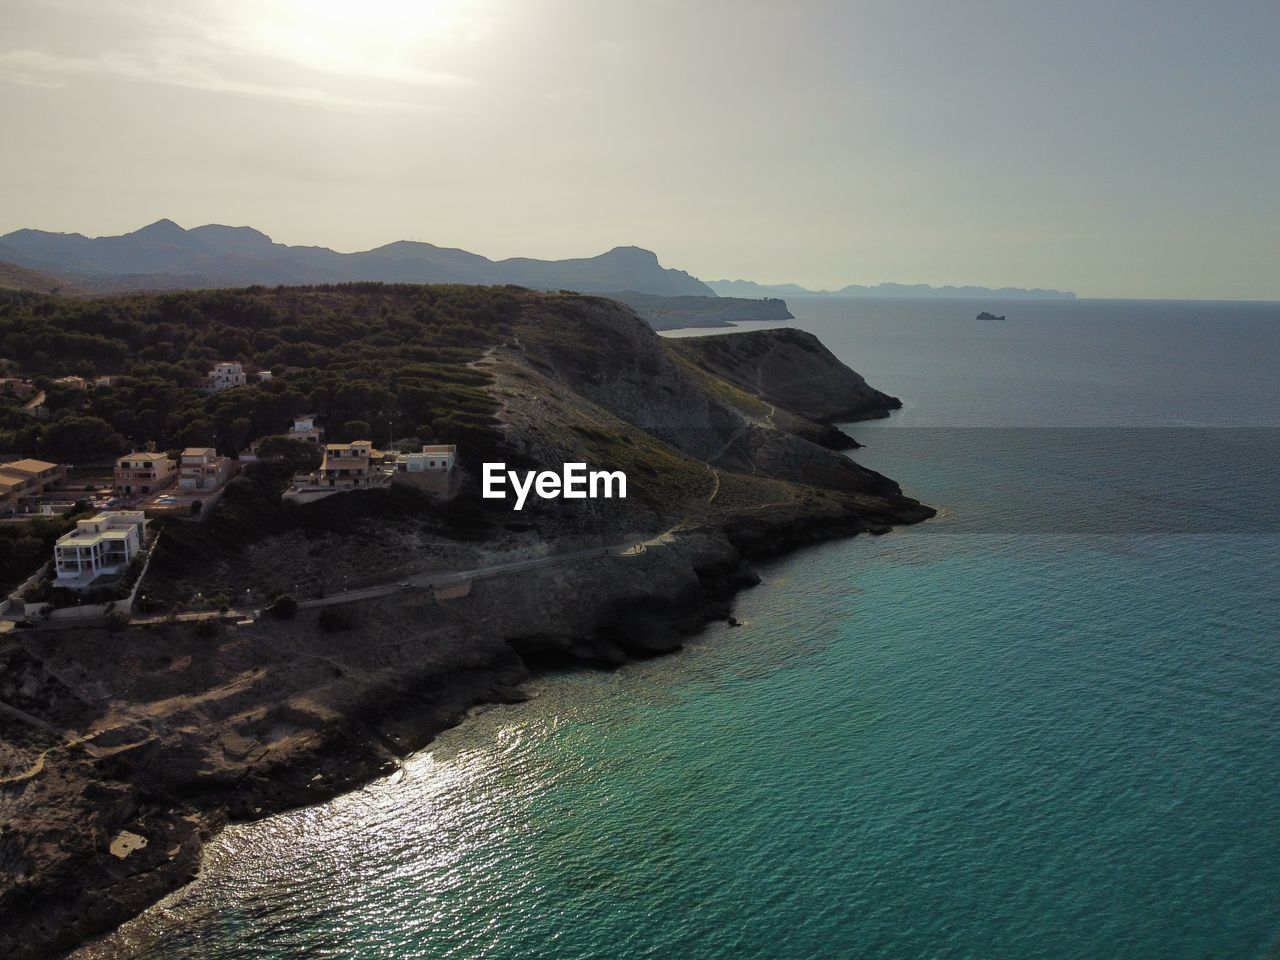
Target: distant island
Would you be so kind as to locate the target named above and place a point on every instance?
(669, 313)
(984, 315)
(749, 288)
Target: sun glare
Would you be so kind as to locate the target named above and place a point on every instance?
(382, 39)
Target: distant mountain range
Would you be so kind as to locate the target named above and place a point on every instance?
(748, 288)
(165, 256)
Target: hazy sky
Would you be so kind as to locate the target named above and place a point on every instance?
(1115, 148)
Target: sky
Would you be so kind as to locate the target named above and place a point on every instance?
(1117, 149)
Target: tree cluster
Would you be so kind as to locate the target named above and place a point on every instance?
(383, 361)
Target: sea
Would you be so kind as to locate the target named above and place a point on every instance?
(1044, 725)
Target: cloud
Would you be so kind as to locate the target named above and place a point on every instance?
(40, 68)
(326, 53)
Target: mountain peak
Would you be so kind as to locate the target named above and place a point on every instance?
(225, 239)
(638, 256)
(162, 229)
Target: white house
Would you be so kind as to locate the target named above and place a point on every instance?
(304, 428)
(101, 546)
(430, 471)
(434, 457)
(225, 375)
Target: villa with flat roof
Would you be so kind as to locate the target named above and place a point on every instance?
(433, 457)
(304, 428)
(25, 479)
(102, 546)
(431, 470)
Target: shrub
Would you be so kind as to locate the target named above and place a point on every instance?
(206, 628)
(284, 607)
(333, 619)
(116, 620)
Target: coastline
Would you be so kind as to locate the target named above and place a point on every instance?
(159, 734)
(429, 702)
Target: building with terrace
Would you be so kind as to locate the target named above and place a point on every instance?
(354, 464)
(26, 480)
(101, 547)
(200, 468)
(432, 470)
(346, 466)
(141, 472)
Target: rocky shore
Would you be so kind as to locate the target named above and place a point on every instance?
(124, 753)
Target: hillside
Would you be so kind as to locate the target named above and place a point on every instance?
(163, 256)
(791, 369)
(14, 277)
(172, 729)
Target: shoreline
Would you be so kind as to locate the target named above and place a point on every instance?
(171, 732)
(408, 723)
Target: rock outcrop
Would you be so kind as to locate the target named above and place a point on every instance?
(161, 734)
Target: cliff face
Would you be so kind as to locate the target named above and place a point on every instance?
(713, 414)
(793, 370)
(164, 734)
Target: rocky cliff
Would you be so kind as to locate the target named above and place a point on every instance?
(123, 753)
(804, 384)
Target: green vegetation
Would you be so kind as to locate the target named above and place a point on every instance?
(381, 361)
(721, 389)
(25, 546)
(105, 590)
(299, 456)
(206, 628)
(284, 607)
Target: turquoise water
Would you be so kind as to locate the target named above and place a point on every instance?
(1044, 725)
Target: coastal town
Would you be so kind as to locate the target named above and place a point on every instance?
(98, 565)
(216, 580)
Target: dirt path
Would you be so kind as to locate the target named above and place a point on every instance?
(427, 581)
